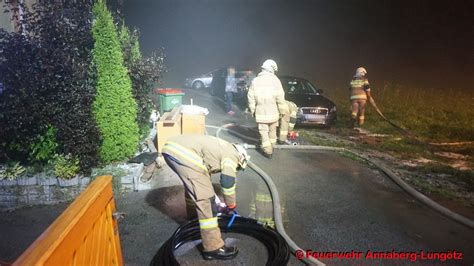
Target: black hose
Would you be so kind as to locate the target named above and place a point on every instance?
(278, 250)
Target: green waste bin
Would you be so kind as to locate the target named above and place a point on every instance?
(169, 98)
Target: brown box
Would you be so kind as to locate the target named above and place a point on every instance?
(193, 124)
(169, 125)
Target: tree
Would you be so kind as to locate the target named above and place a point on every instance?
(114, 107)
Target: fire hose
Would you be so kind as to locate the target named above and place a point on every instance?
(399, 128)
(277, 244)
(395, 178)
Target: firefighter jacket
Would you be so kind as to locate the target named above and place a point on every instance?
(359, 87)
(292, 108)
(207, 155)
(266, 98)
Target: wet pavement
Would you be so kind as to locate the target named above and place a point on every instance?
(330, 203)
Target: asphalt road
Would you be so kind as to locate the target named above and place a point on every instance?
(331, 203)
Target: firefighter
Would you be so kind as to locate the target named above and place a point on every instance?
(194, 158)
(266, 100)
(287, 122)
(360, 93)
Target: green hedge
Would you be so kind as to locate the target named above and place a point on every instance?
(48, 83)
(144, 73)
(114, 108)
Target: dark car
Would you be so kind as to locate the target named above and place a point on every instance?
(244, 78)
(217, 87)
(313, 108)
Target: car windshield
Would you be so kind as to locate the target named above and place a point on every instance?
(297, 86)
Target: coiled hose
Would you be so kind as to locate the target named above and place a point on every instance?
(278, 250)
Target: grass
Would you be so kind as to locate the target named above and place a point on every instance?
(434, 115)
(454, 175)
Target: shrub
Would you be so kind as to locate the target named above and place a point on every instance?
(144, 73)
(22, 115)
(114, 107)
(48, 81)
(44, 148)
(65, 166)
(12, 171)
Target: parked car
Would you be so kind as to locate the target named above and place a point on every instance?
(313, 108)
(202, 81)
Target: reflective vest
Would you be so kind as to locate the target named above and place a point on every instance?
(203, 153)
(266, 98)
(358, 87)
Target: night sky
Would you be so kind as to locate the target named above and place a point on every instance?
(428, 44)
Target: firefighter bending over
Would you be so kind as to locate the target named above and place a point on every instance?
(266, 100)
(194, 158)
(360, 93)
(287, 123)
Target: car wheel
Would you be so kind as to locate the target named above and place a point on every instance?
(198, 85)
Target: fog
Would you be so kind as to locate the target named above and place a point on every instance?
(428, 44)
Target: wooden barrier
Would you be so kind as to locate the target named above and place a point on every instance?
(86, 233)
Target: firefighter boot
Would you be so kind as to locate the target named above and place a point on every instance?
(353, 123)
(223, 253)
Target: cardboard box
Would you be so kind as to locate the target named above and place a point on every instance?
(169, 125)
(193, 124)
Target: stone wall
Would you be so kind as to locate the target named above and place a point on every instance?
(41, 189)
(38, 190)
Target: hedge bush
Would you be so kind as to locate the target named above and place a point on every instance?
(114, 107)
(48, 81)
(144, 73)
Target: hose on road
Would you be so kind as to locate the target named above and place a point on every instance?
(275, 198)
(278, 250)
(395, 178)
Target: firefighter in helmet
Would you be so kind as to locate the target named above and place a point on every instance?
(266, 100)
(287, 123)
(360, 93)
(194, 158)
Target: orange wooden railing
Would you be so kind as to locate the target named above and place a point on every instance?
(84, 234)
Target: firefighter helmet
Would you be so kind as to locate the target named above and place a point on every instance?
(360, 72)
(243, 156)
(270, 66)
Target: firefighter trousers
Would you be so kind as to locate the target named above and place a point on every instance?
(199, 190)
(358, 110)
(268, 136)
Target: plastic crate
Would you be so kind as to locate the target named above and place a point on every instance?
(169, 98)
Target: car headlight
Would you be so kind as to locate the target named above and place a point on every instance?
(333, 109)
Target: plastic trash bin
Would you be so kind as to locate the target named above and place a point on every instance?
(169, 98)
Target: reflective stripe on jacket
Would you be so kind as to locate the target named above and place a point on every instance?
(266, 98)
(359, 88)
(203, 152)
